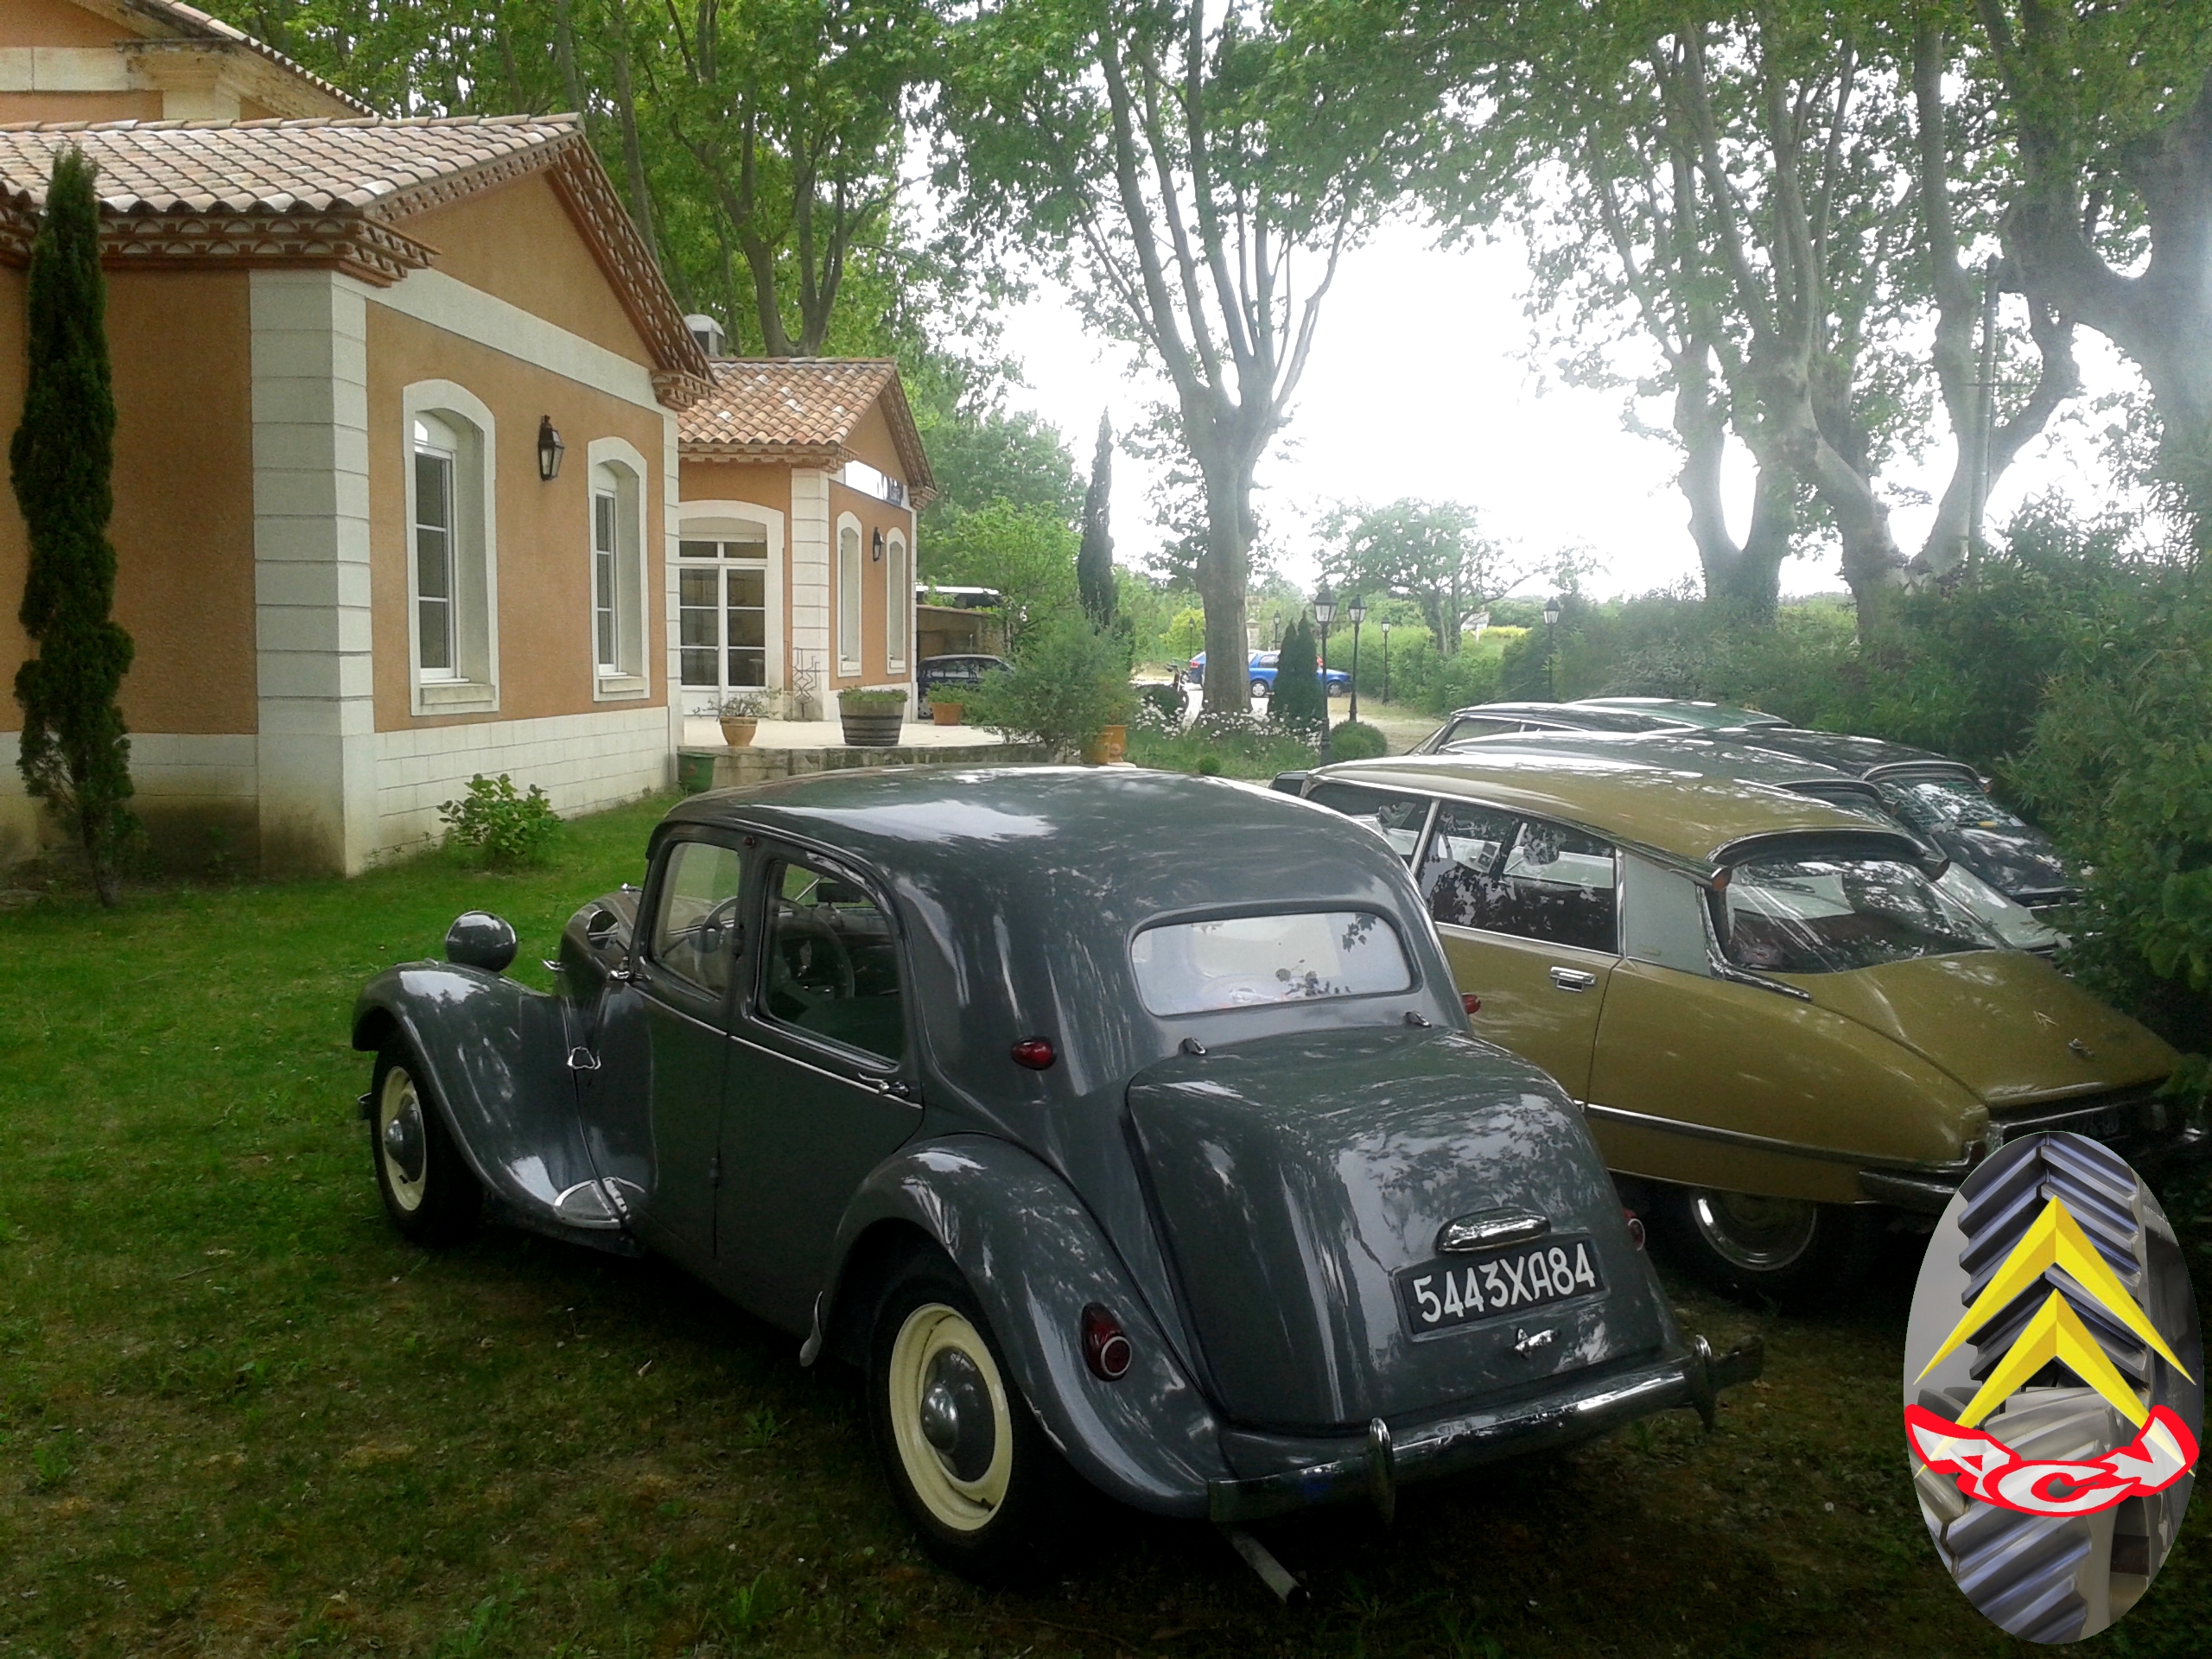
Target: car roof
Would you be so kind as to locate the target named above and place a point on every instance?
(1706, 753)
(1861, 756)
(1574, 716)
(1066, 849)
(1703, 818)
(1691, 711)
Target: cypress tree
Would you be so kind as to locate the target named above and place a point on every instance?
(1094, 559)
(1297, 702)
(74, 755)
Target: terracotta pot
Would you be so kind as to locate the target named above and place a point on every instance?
(738, 729)
(945, 714)
(1109, 748)
(871, 728)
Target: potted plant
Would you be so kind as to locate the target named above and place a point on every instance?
(946, 705)
(872, 718)
(740, 716)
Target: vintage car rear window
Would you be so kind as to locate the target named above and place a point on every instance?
(1929, 803)
(1824, 916)
(1242, 962)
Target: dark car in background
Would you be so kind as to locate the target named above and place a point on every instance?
(1117, 1124)
(1502, 719)
(1948, 804)
(1689, 711)
(959, 673)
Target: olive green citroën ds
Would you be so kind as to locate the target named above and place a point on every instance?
(1787, 1037)
(1119, 1125)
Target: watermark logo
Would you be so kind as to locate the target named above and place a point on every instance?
(2053, 1427)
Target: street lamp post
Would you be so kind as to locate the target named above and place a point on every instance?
(1385, 627)
(1357, 611)
(1325, 612)
(1551, 645)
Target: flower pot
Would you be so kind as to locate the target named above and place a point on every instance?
(738, 729)
(1107, 748)
(945, 714)
(871, 728)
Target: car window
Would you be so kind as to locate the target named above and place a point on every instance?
(1489, 869)
(1932, 804)
(829, 962)
(1252, 961)
(695, 918)
(1816, 916)
(1398, 818)
(1488, 726)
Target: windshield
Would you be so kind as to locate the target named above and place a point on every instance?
(2012, 922)
(1243, 961)
(1824, 916)
(1927, 803)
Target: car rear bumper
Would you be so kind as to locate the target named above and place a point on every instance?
(1374, 1466)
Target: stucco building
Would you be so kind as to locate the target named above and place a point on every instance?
(396, 483)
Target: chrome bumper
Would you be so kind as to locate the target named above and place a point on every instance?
(1374, 1466)
(1929, 1191)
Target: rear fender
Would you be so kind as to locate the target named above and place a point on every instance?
(1034, 1258)
(496, 1056)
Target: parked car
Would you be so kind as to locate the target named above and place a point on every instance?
(1689, 711)
(1946, 802)
(1261, 667)
(1119, 1123)
(1781, 1030)
(1736, 755)
(1505, 719)
(961, 673)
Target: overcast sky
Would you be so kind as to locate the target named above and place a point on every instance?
(1421, 384)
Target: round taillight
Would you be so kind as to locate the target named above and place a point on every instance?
(1034, 1052)
(1470, 1002)
(1105, 1345)
(1635, 1227)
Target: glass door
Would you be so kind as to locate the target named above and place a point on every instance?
(722, 618)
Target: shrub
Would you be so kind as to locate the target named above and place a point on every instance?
(1163, 702)
(1355, 740)
(743, 705)
(1214, 745)
(502, 827)
(1072, 681)
(871, 702)
(1298, 704)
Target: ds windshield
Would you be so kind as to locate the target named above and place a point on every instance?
(1243, 961)
(1824, 916)
(1927, 803)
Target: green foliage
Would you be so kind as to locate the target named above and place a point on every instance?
(504, 830)
(73, 752)
(871, 702)
(1431, 554)
(1355, 740)
(1070, 681)
(1027, 553)
(1222, 746)
(1298, 704)
(995, 455)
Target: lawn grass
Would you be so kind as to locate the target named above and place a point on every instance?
(239, 1416)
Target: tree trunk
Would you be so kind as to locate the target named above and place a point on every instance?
(633, 154)
(1224, 574)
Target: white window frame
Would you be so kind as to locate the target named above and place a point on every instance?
(898, 602)
(848, 595)
(473, 683)
(615, 467)
(706, 520)
(430, 435)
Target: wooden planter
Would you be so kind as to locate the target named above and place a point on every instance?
(737, 730)
(872, 728)
(1109, 748)
(945, 714)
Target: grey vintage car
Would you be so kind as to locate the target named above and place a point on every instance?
(1119, 1124)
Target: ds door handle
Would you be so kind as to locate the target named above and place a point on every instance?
(1572, 979)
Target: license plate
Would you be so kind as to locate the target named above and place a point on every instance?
(1447, 1292)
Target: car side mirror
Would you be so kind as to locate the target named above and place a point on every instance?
(479, 939)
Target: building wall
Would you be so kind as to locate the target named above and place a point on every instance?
(581, 762)
(38, 104)
(25, 24)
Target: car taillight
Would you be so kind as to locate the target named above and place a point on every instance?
(1105, 1345)
(1470, 1002)
(1034, 1052)
(1635, 1227)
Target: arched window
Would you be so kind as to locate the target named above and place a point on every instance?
(618, 581)
(437, 457)
(848, 595)
(898, 602)
(452, 564)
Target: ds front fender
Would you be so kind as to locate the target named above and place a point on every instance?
(1034, 1259)
(495, 1053)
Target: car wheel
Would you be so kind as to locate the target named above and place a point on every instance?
(1339, 689)
(989, 1496)
(1261, 688)
(428, 1189)
(1788, 1251)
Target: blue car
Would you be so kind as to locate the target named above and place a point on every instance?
(1260, 667)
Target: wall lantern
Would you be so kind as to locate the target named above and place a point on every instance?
(550, 449)
(876, 547)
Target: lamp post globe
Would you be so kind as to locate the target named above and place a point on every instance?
(1325, 612)
(1551, 646)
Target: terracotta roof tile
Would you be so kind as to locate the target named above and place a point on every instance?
(244, 166)
(802, 409)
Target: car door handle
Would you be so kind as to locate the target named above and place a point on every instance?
(1572, 979)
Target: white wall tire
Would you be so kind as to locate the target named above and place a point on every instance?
(430, 1195)
(985, 1491)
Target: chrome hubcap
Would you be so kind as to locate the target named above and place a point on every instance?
(402, 1143)
(403, 1140)
(1757, 1235)
(950, 1419)
(955, 1415)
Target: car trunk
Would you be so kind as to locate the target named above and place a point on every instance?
(2008, 1025)
(1293, 1175)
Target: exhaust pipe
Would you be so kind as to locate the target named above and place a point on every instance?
(1261, 1560)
